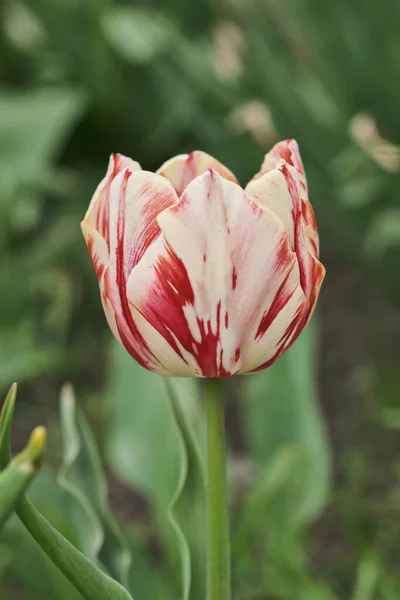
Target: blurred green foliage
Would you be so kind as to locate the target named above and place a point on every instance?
(83, 78)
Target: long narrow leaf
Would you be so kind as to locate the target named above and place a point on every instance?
(82, 477)
(187, 509)
(86, 577)
(5, 426)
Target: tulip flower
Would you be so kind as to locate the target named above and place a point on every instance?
(198, 276)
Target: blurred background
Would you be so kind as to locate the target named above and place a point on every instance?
(314, 442)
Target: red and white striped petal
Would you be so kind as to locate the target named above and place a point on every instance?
(208, 282)
(310, 227)
(97, 247)
(108, 308)
(271, 191)
(182, 169)
(153, 314)
(280, 190)
(135, 201)
(287, 151)
(123, 327)
(97, 216)
(276, 324)
(310, 267)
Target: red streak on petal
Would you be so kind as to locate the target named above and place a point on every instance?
(126, 326)
(99, 267)
(293, 329)
(286, 154)
(237, 354)
(283, 344)
(296, 162)
(207, 355)
(308, 214)
(314, 245)
(172, 271)
(191, 162)
(299, 320)
(317, 275)
(234, 278)
(164, 307)
(188, 173)
(282, 297)
(157, 201)
(166, 299)
(204, 258)
(296, 211)
(117, 165)
(226, 320)
(103, 215)
(284, 254)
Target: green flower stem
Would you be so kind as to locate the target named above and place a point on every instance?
(218, 561)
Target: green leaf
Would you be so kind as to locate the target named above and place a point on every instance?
(44, 117)
(82, 477)
(5, 426)
(367, 578)
(19, 360)
(280, 410)
(31, 567)
(187, 511)
(18, 474)
(85, 576)
(259, 504)
(35, 573)
(138, 35)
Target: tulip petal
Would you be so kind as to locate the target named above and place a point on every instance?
(108, 310)
(310, 267)
(206, 284)
(287, 151)
(100, 257)
(182, 169)
(271, 190)
(310, 227)
(135, 200)
(281, 191)
(97, 215)
(278, 326)
(97, 247)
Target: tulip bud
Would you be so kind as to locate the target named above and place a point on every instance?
(197, 276)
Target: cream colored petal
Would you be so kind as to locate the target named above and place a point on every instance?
(135, 200)
(98, 249)
(271, 191)
(182, 169)
(287, 151)
(97, 215)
